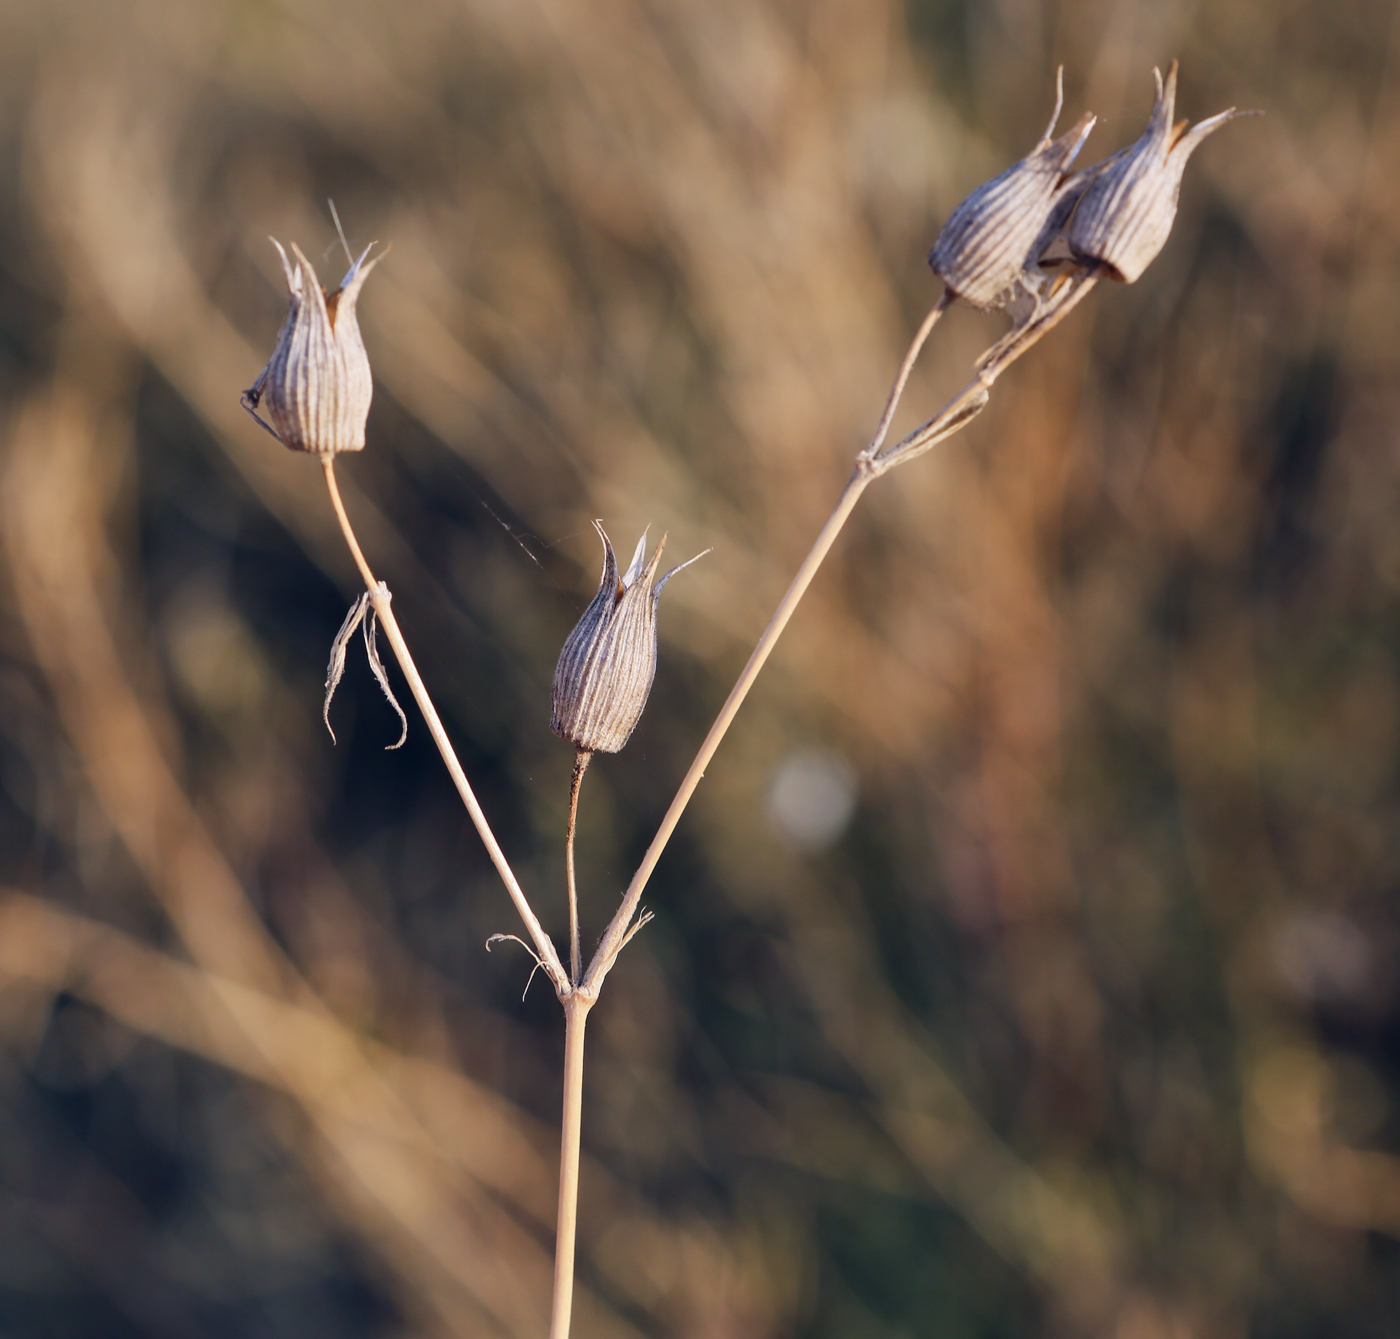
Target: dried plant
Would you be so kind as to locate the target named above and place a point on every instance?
(1032, 241)
(604, 677)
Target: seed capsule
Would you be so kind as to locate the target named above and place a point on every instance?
(607, 665)
(1127, 210)
(991, 239)
(317, 383)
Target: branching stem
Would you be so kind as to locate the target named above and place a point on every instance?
(617, 929)
(380, 599)
(577, 992)
(875, 460)
(617, 932)
(581, 762)
(911, 356)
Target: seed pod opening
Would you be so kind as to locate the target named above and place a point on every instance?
(606, 668)
(1126, 212)
(317, 384)
(993, 236)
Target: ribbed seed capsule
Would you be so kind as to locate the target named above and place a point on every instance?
(607, 665)
(317, 383)
(1126, 213)
(992, 237)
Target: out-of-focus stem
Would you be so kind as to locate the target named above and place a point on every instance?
(581, 762)
(576, 1007)
(380, 599)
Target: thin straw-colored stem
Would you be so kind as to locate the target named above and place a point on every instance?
(576, 1008)
(945, 300)
(371, 583)
(617, 932)
(870, 464)
(614, 935)
(581, 762)
(618, 929)
(380, 599)
(969, 402)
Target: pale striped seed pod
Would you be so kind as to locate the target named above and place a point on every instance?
(995, 235)
(1127, 210)
(317, 383)
(607, 665)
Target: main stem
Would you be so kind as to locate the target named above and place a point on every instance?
(576, 1008)
(380, 599)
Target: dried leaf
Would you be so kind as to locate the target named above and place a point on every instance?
(336, 668)
(372, 647)
(539, 962)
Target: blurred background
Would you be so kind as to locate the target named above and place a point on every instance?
(1027, 964)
